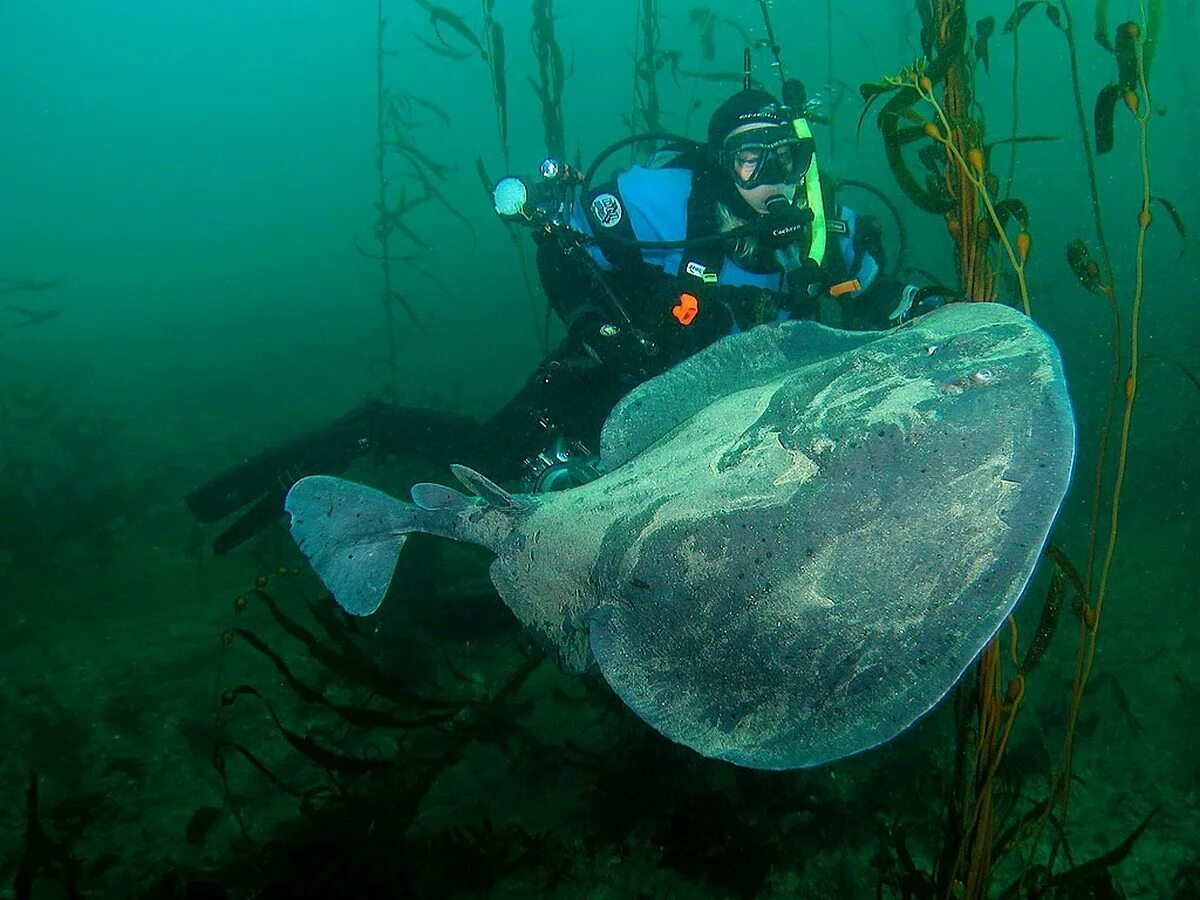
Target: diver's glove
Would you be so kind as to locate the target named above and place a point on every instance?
(785, 225)
(916, 301)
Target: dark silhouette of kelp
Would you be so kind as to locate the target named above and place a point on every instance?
(25, 286)
(42, 855)
(551, 76)
(425, 733)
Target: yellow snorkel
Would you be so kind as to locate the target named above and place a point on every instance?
(812, 193)
(812, 175)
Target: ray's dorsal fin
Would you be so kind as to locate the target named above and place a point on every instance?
(484, 487)
(431, 496)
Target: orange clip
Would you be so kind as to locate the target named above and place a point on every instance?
(845, 287)
(687, 309)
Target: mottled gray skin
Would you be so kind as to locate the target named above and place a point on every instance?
(804, 536)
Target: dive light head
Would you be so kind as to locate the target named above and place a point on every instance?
(509, 197)
(544, 200)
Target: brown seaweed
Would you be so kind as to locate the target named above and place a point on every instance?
(1101, 33)
(647, 64)
(1085, 269)
(1047, 623)
(21, 286)
(931, 196)
(1176, 219)
(43, 856)
(1187, 373)
(401, 105)
(323, 757)
(439, 16)
(1019, 14)
(359, 670)
(984, 29)
(499, 84)
(201, 823)
(551, 77)
(361, 717)
(1080, 880)
(219, 764)
(32, 316)
(1106, 107)
(494, 35)
(443, 49)
(705, 20)
(1127, 57)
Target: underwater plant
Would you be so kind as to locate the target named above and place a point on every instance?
(429, 729)
(551, 77)
(932, 103)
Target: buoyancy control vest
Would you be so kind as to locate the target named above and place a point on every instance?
(665, 202)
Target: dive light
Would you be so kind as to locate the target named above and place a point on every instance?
(512, 194)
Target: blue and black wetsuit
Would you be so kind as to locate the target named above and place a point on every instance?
(645, 206)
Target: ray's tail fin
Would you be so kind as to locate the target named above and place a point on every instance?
(352, 536)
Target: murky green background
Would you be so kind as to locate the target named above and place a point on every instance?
(195, 176)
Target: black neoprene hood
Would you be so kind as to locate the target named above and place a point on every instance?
(752, 107)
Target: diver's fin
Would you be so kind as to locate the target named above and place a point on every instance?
(352, 536)
(430, 496)
(492, 493)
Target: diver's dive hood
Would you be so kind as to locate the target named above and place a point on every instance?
(778, 123)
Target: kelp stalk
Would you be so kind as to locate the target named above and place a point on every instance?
(1108, 288)
(772, 43)
(977, 268)
(383, 228)
(1142, 112)
(830, 77)
(647, 114)
(549, 85)
(1016, 104)
(494, 36)
(997, 708)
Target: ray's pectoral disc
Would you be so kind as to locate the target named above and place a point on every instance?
(801, 540)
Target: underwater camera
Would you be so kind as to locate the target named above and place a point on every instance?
(544, 201)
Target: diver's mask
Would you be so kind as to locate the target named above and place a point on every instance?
(769, 155)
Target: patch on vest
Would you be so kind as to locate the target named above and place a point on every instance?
(696, 270)
(607, 210)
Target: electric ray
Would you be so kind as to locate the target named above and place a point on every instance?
(802, 537)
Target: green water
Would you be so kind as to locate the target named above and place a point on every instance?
(182, 189)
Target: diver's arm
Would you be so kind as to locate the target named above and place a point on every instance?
(631, 319)
(869, 310)
(883, 301)
(890, 302)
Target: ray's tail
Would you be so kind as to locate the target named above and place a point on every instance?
(352, 536)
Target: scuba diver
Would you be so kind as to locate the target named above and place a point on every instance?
(704, 240)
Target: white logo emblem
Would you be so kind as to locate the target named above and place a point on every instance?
(607, 210)
(698, 271)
